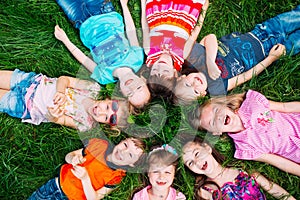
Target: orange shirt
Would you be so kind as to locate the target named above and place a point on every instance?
(95, 164)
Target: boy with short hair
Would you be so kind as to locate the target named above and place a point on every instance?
(94, 171)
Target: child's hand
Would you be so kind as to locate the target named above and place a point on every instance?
(75, 159)
(60, 34)
(59, 99)
(205, 6)
(80, 172)
(277, 51)
(213, 70)
(54, 113)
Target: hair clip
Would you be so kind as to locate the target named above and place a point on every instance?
(165, 147)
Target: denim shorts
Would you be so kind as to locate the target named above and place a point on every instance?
(78, 11)
(49, 191)
(13, 102)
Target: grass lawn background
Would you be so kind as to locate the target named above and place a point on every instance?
(31, 155)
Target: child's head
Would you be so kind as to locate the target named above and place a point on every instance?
(163, 66)
(112, 112)
(162, 162)
(128, 152)
(199, 156)
(218, 115)
(189, 88)
(135, 89)
(202, 160)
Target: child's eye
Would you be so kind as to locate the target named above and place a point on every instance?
(196, 92)
(107, 107)
(125, 144)
(190, 163)
(139, 87)
(168, 172)
(106, 118)
(197, 154)
(130, 155)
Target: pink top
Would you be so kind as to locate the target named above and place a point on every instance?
(143, 194)
(266, 131)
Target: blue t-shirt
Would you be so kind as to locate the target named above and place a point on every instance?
(104, 36)
(237, 53)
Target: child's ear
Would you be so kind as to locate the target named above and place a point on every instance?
(203, 94)
(180, 77)
(143, 78)
(175, 73)
(131, 165)
(217, 133)
(207, 147)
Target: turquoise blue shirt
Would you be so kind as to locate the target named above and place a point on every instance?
(104, 36)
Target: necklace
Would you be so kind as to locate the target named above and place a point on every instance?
(222, 170)
(160, 196)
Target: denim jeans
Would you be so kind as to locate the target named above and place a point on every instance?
(78, 11)
(283, 28)
(49, 191)
(13, 102)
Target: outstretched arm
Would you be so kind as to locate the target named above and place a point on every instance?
(145, 27)
(129, 24)
(275, 53)
(194, 34)
(77, 53)
(286, 107)
(281, 163)
(90, 193)
(272, 188)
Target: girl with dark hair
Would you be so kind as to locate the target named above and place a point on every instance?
(217, 182)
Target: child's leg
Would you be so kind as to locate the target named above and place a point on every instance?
(5, 77)
(78, 11)
(12, 102)
(48, 191)
(277, 30)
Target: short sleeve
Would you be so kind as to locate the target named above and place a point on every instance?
(258, 97)
(96, 147)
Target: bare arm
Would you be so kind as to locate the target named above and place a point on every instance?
(211, 48)
(281, 163)
(275, 53)
(145, 27)
(56, 115)
(129, 24)
(194, 34)
(77, 53)
(286, 107)
(272, 188)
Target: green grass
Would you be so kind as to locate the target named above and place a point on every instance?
(31, 155)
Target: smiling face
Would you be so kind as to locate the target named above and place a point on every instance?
(135, 89)
(198, 158)
(104, 111)
(218, 119)
(125, 153)
(161, 177)
(163, 67)
(192, 86)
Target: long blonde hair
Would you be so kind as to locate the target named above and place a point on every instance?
(233, 102)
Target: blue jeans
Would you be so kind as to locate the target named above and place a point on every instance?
(78, 11)
(13, 102)
(283, 28)
(49, 191)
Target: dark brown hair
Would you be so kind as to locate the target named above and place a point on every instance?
(201, 179)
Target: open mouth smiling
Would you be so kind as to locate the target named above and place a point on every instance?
(227, 120)
(204, 167)
(160, 183)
